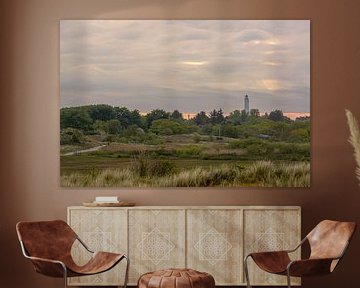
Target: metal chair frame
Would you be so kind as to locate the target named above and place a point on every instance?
(23, 249)
(288, 276)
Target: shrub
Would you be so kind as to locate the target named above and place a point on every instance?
(143, 166)
(71, 136)
(161, 168)
(266, 149)
(189, 151)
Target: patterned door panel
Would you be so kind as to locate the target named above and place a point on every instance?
(157, 240)
(270, 230)
(101, 230)
(214, 241)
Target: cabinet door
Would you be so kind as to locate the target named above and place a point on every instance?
(101, 230)
(156, 240)
(214, 244)
(270, 230)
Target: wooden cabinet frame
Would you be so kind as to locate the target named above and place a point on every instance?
(213, 239)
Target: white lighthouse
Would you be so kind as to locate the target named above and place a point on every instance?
(246, 104)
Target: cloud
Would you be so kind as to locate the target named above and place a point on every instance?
(186, 64)
(254, 35)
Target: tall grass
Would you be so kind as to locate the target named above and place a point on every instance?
(260, 173)
(200, 177)
(267, 174)
(354, 140)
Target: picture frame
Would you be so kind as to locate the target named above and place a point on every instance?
(185, 103)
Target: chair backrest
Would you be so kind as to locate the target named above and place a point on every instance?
(46, 239)
(329, 239)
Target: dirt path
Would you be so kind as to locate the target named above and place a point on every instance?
(84, 151)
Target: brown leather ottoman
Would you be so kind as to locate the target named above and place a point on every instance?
(176, 278)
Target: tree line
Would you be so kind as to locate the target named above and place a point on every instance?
(106, 119)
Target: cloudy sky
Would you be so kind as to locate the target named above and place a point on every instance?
(188, 65)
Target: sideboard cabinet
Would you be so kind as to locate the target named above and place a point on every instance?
(211, 239)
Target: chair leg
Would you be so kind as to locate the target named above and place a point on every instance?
(288, 278)
(65, 276)
(246, 270)
(126, 271)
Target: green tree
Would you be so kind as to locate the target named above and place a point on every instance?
(229, 130)
(176, 115)
(281, 130)
(101, 112)
(127, 117)
(75, 117)
(207, 129)
(201, 118)
(136, 118)
(276, 115)
(114, 126)
(166, 127)
(133, 130)
(300, 135)
(101, 126)
(234, 117)
(303, 118)
(123, 116)
(217, 116)
(255, 112)
(156, 115)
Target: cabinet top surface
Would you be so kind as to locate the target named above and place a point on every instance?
(192, 207)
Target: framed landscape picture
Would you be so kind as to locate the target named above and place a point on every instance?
(185, 103)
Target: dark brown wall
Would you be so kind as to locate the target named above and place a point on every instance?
(29, 118)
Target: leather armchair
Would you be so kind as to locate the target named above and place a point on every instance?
(328, 243)
(48, 245)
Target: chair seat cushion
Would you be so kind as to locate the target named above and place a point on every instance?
(272, 262)
(176, 278)
(99, 262)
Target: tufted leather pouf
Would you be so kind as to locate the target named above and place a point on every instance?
(176, 278)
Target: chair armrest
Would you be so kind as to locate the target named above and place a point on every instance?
(298, 246)
(45, 260)
(48, 267)
(309, 267)
(84, 245)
